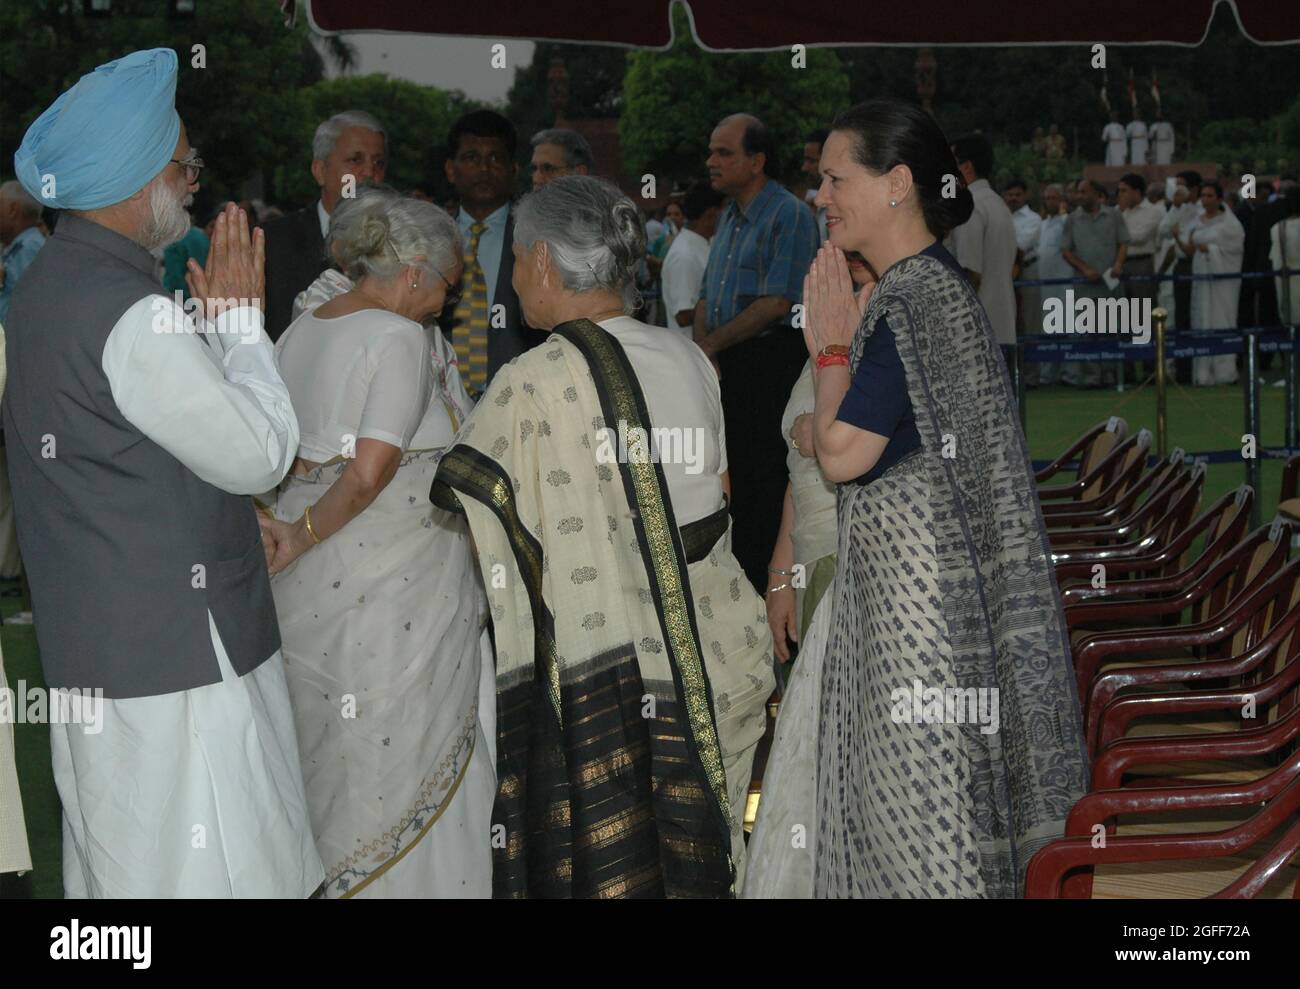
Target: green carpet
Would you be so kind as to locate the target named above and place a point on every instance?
(1199, 419)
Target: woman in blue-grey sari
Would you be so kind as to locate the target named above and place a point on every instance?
(949, 745)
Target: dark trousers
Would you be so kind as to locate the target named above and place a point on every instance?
(1139, 290)
(1183, 317)
(757, 378)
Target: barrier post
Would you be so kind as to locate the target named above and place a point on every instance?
(1161, 316)
(1290, 389)
(1252, 419)
(1287, 318)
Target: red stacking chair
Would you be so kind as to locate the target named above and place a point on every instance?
(1216, 600)
(1147, 522)
(1097, 464)
(1220, 526)
(1261, 676)
(1131, 457)
(1272, 803)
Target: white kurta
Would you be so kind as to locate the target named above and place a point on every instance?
(1162, 137)
(196, 793)
(1116, 142)
(14, 854)
(682, 276)
(1214, 302)
(1284, 254)
(1137, 142)
(781, 849)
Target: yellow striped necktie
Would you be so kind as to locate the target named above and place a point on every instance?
(470, 322)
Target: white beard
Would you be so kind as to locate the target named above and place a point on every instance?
(168, 221)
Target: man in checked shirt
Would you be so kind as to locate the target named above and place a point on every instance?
(759, 255)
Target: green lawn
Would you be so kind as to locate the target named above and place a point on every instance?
(1200, 419)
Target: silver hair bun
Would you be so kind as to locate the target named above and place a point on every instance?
(380, 231)
(625, 233)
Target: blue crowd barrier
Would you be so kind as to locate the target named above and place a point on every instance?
(1167, 277)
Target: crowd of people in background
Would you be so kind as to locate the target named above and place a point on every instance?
(476, 353)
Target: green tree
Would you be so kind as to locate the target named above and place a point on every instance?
(672, 101)
(595, 87)
(233, 107)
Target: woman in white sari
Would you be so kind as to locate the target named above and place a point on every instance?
(1215, 244)
(14, 854)
(798, 608)
(380, 611)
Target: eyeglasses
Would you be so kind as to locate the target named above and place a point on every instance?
(452, 296)
(193, 165)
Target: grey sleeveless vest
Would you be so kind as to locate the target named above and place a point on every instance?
(126, 549)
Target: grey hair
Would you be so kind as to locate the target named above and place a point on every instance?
(327, 134)
(594, 233)
(380, 232)
(1053, 187)
(15, 192)
(575, 147)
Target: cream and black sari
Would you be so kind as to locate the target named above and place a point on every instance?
(633, 657)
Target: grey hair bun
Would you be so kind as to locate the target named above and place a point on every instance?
(380, 232)
(624, 233)
(595, 234)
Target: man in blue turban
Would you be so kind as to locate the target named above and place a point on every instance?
(136, 434)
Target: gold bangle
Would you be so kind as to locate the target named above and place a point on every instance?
(306, 516)
(778, 587)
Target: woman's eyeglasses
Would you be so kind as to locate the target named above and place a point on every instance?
(452, 296)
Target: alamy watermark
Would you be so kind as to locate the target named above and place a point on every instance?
(918, 704)
(165, 321)
(1089, 315)
(658, 444)
(60, 706)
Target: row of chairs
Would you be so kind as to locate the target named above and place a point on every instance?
(1186, 648)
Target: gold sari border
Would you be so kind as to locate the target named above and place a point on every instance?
(465, 471)
(666, 567)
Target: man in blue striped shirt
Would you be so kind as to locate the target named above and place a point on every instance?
(757, 261)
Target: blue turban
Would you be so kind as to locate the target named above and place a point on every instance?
(106, 137)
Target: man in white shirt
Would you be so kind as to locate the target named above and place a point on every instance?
(985, 245)
(682, 275)
(1185, 211)
(1142, 218)
(1136, 132)
(141, 540)
(1162, 137)
(1026, 219)
(1051, 264)
(1027, 222)
(1115, 140)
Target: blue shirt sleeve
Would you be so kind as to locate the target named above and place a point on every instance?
(793, 246)
(877, 399)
